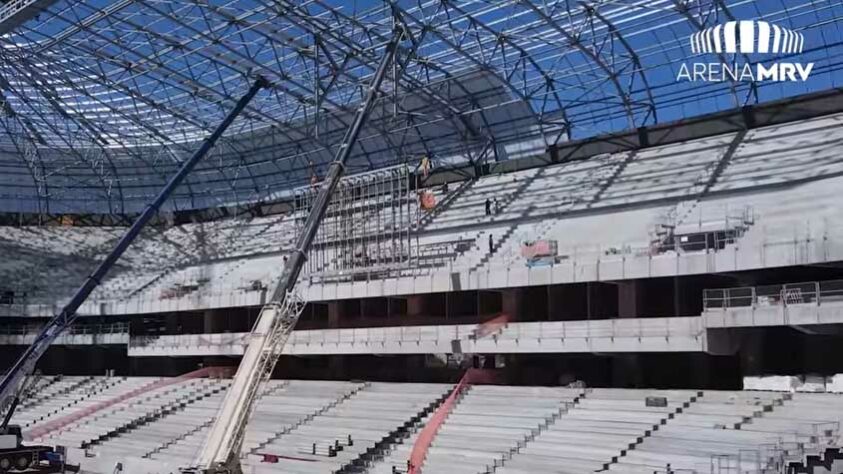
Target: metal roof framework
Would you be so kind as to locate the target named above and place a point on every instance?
(101, 99)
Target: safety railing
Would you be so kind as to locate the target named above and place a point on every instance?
(382, 335)
(814, 292)
(814, 241)
(113, 328)
(149, 302)
(414, 336)
(820, 241)
(605, 329)
(189, 340)
(375, 335)
(9, 9)
(76, 329)
(760, 460)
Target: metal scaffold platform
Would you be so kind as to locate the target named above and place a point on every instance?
(220, 454)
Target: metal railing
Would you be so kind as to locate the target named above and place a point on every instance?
(77, 329)
(773, 457)
(414, 336)
(814, 292)
(375, 335)
(605, 329)
(821, 243)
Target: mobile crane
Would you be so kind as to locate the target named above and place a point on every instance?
(220, 454)
(14, 455)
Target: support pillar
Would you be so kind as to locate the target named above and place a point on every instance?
(414, 368)
(554, 303)
(334, 312)
(629, 299)
(171, 323)
(752, 353)
(677, 297)
(336, 366)
(511, 300)
(626, 371)
(701, 370)
(626, 368)
(212, 321)
(415, 305)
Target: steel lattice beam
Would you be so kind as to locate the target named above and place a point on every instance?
(95, 91)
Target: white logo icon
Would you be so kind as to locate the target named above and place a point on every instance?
(747, 37)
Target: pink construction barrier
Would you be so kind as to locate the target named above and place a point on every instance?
(53, 425)
(491, 326)
(539, 248)
(423, 442)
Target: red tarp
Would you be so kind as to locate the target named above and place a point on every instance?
(423, 442)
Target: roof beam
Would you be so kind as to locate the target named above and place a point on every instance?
(18, 12)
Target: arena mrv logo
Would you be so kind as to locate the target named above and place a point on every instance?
(745, 38)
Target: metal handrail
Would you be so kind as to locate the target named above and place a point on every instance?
(415, 335)
(812, 292)
(78, 329)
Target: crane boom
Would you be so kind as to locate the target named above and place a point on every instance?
(220, 454)
(26, 363)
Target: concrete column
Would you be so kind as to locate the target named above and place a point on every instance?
(552, 301)
(134, 366)
(701, 374)
(678, 307)
(511, 302)
(415, 305)
(336, 365)
(171, 323)
(334, 314)
(414, 367)
(816, 353)
(212, 321)
(95, 361)
(626, 371)
(626, 368)
(512, 369)
(629, 299)
(751, 353)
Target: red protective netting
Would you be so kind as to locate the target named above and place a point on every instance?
(63, 421)
(425, 439)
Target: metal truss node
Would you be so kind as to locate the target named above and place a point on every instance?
(102, 100)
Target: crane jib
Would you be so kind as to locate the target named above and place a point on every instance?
(220, 454)
(10, 384)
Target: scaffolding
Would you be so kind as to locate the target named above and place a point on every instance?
(220, 453)
(369, 226)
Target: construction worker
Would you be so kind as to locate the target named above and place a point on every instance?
(314, 178)
(425, 165)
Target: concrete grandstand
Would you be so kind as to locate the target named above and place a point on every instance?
(256, 237)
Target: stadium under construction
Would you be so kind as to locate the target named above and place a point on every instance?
(440, 237)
